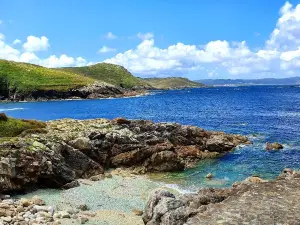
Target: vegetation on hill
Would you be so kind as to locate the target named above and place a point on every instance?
(172, 83)
(109, 73)
(10, 127)
(24, 77)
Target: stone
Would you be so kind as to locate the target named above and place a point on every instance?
(25, 202)
(274, 146)
(97, 177)
(137, 212)
(3, 117)
(72, 184)
(121, 121)
(37, 201)
(7, 219)
(64, 214)
(83, 219)
(209, 176)
(20, 209)
(83, 207)
(81, 143)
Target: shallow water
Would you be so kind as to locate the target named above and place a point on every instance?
(264, 113)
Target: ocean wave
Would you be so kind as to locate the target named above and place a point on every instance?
(12, 109)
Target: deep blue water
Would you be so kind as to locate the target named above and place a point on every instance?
(264, 113)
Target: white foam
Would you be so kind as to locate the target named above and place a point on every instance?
(179, 189)
(12, 109)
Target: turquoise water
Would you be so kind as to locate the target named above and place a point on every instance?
(263, 113)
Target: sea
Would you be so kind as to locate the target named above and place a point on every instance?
(263, 113)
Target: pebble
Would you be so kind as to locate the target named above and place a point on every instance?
(64, 214)
(209, 176)
(6, 218)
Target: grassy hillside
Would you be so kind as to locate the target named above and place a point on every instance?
(171, 83)
(110, 73)
(25, 77)
(10, 127)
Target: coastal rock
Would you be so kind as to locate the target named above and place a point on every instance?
(72, 184)
(71, 149)
(251, 201)
(3, 117)
(209, 176)
(274, 146)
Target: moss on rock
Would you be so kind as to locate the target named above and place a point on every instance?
(13, 127)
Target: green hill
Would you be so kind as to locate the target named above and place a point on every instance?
(24, 78)
(172, 83)
(109, 73)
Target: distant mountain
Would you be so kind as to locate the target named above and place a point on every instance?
(171, 83)
(265, 81)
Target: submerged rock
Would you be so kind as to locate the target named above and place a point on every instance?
(72, 149)
(252, 201)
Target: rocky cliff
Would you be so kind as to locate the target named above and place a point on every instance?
(92, 91)
(69, 149)
(253, 201)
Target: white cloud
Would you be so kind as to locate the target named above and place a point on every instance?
(281, 53)
(106, 49)
(35, 44)
(7, 52)
(279, 56)
(11, 53)
(286, 35)
(111, 36)
(145, 36)
(17, 41)
(2, 37)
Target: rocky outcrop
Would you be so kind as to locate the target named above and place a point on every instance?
(92, 91)
(274, 146)
(70, 149)
(253, 201)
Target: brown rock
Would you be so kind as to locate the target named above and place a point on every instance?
(274, 146)
(137, 212)
(121, 121)
(188, 151)
(3, 117)
(209, 176)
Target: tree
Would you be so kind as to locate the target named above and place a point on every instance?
(4, 86)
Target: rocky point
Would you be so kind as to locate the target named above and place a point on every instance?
(68, 149)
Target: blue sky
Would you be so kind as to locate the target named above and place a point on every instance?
(197, 39)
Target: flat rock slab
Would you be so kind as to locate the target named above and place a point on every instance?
(253, 201)
(275, 202)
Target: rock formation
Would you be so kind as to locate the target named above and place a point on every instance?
(274, 146)
(253, 201)
(69, 149)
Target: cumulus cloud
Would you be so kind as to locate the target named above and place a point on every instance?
(145, 36)
(106, 49)
(281, 53)
(286, 35)
(35, 44)
(17, 41)
(111, 36)
(27, 54)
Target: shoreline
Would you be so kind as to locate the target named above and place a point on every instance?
(137, 94)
